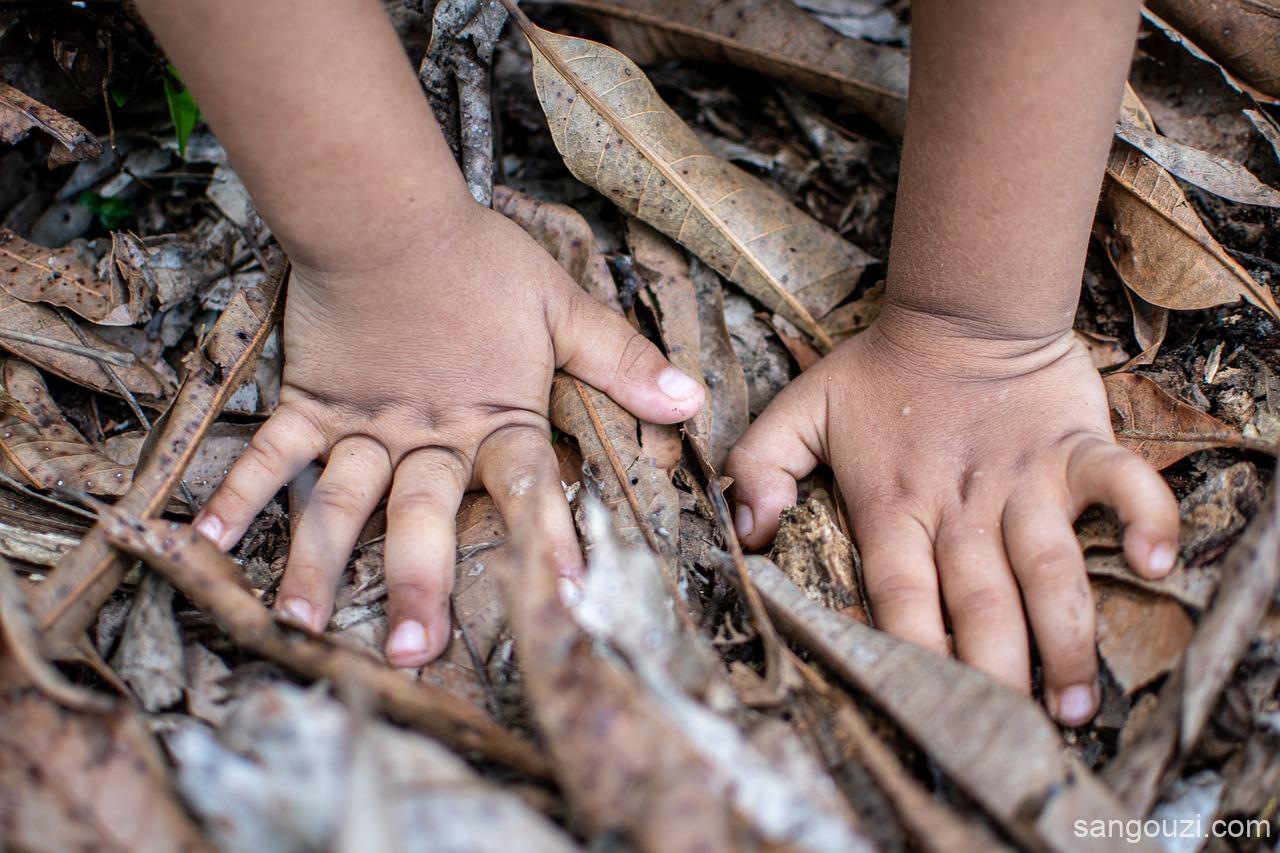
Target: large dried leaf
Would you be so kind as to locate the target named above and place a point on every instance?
(41, 321)
(77, 781)
(215, 583)
(68, 601)
(725, 378)
(1162, 429)
(1250, 576)
(1243, 34)
(1161, 248)
(773, 37)
(618, 136)
(67, 277)
(51, 453)
(19, 114)
(996, 745)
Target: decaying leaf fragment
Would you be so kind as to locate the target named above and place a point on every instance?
(774, 37)
(67, 278)
(1243, 34)
(1162, 429)
(617, 135)
(214, 582)
(68, 601)
(19, 114)
(996, 745)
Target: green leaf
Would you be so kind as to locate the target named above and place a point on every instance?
(182, 108)
(119, 96)
(112, 212)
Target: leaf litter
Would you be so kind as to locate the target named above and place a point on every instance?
(683, 694)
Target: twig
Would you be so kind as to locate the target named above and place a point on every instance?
(120, 359)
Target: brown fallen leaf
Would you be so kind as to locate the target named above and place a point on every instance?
(149, 656)
(999, 747)
(1160, 247)
(1150, 326)
(1220, 176)
(79, 781)
(19, 114)
(50, 453)
(665, 272)
(773, 37)
(216, 453)
(33, 531)
(67, 278)
(1162, 429)
(67, 602)
(1140, 636)
(1243, 34)
(151, 385)
(726, 381)
(1165, 737)
(215, 583)
(566, 236)
(616, 135)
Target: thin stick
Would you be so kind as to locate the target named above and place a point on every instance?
(121, 359)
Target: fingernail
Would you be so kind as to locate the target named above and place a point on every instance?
(210, 528)
(298, 609)
(1162, 557)
(677, 385)
(744, 520)
(409, 638)
(1075, 704)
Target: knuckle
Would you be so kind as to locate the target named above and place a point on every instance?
(424, 587)
(412, 503)
(1051, 565)
(899, 589)
(981, 603)
(635, 352)
(266, 453)
(337, 497)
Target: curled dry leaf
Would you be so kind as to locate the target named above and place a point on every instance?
(1243, 34)
(566, 236)
(1162, 429)
(773, 37)
(616, 135)
(1150, 326)
(216, 584)
(19, 114)
(1250, 575)
(68, 601)
(67, 277)
(79, 781)
(999, 747)
(1141, 636)
(1161, 249)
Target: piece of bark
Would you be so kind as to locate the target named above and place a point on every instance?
(20, 114)
(819, 558)
(1141, 636)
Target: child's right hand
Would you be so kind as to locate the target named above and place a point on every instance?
(426, 371)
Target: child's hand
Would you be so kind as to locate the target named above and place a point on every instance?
(964, 461)
(427, 373)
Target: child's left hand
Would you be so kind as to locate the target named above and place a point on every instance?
(964, 461)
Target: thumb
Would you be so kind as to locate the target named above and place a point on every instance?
(780, 447)
(600, 348)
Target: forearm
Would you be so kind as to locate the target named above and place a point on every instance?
(1010, 114)
(322, 116)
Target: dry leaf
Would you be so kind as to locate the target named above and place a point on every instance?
(67, 277)
(566, 236)
(618, 136)
(996, 745)
(1140, 636)
(215, 583)
(1150, 326)
(50, 453)
(773, 37)
(77, 781)
(1243, 34)
(216, 453)
(1162, 429)
(1218, 175)
(149, 657)
(1161, 249)
(35, 532)
(19, 114)
(726, 381)
(68, 601)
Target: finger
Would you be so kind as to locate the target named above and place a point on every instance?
(600, 347)
(982, 600)
(780, 447)
(279, 450)
(902, 580)
(419, 554)
(1102, 472)
(1047, 562)
(519, 470)
(354, 480)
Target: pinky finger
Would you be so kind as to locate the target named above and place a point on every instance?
(1102, 472)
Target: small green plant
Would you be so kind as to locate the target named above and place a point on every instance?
(112, 212)
(183, 110)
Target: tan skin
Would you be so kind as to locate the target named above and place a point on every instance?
(421, 332)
